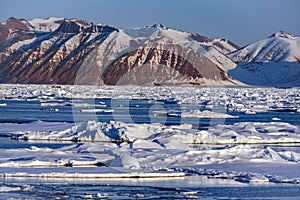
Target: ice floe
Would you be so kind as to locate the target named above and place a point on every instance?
(246, 151)
(244, 100)
(156, 147)
(93, 131)
(193, 114)
(97, 110)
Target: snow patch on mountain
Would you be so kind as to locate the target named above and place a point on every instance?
(283, 34)
(274, 61)
(270, 62)
(280, 47)
(132, 38)
(19, 44)
(46, 25)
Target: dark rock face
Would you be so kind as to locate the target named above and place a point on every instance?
(4, 33)
(170, 66)
(18, 24)
(69, 27)
(51, 58)
(201, 38)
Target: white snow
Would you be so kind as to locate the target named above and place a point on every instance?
(205, 114)
(271, 62)
(9, 189)
(246, 151)
(193, 114)
(19, 44)
(158, 36)
(46, 25)
(126, 161)
(229, 99)
(272, 49)
(97, 110)
(155, 146)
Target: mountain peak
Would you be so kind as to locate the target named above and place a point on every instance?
(17, 24)
(158, 25)
(68, 26)
(282, 34)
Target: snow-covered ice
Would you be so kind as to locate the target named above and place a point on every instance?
(198, 114)
(152, 147)
(92, 131)
(244, 151)
(232, 99)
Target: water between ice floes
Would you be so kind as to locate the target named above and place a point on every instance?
(138, 111)
(191, 187)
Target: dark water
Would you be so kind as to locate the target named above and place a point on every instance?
(137, 111)
(7, 143)
(186, 188)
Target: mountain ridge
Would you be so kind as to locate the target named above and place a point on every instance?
(64, 50)
(274, 61)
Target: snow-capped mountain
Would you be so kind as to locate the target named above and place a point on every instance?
(157, 55)
(73, 51)
(46, 25)
(67, 51)
(274, 61)
(30, 55)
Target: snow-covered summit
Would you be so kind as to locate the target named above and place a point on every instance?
(159, 25)
(280, 46)
(47, 25)
(274, 61)
(53, 23)
(283, 34)
(158, 31)
(17, 24)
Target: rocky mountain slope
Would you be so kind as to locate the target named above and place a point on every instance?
(68, 51)
(33, 56)
(157, 55)
(73, 51)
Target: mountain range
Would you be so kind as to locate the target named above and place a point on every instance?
(73, 51)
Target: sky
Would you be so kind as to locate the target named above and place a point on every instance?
(241, 21)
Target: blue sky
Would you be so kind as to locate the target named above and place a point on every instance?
(242, 21)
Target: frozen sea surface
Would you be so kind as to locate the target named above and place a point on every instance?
(241, 138)
(191, 187)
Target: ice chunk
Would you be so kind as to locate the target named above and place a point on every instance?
(9, 189)
(126, 161)
(144, 144)
(97, 110)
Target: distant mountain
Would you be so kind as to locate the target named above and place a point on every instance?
(46, 50)
(274, 61)
(159, 55)
(68, 51)
(73, 51)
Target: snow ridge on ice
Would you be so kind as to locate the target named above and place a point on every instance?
(246, 151)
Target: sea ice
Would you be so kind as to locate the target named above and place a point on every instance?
(249, 100)
(238, 151)
(159, 147)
